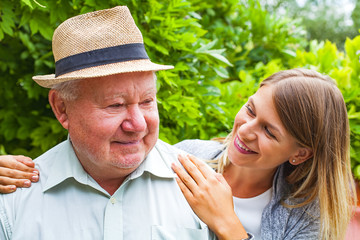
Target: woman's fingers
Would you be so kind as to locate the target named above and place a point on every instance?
(16, 175)
(18, 162)
(16, 171)
(6, 181)
(185, 178)
(7, 189)
(185, 190)
(25, 160)
(192, 169)
(205, 170)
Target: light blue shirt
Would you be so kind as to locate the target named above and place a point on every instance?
(68, 204)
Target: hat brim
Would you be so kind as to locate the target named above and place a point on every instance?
(142, 65)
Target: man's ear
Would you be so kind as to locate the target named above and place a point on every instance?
(301, 156)
(59, 108)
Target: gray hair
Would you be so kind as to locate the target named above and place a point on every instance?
(68, 90)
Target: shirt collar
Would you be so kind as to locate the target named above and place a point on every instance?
(65, 164)
(158, 162)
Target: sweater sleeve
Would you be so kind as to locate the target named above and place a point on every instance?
(281, 222)
(306, 225)
(204, 149)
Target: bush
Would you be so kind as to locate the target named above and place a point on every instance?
(220, 50)
(191, 35)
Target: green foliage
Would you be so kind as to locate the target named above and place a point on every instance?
(322, 19)
(221, 50)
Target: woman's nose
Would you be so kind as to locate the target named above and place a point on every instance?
(247, 130)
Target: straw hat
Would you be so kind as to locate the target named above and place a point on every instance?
(96, 44)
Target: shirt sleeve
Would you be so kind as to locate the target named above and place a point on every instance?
(5, 229)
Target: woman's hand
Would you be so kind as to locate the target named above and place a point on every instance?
(16, 171)
(210, 197)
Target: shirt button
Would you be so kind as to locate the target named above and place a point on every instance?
(113, 200)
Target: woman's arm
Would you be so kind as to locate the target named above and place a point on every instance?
(16, 171)
(210, 197)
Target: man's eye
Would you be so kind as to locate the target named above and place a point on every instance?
(147, 101)
(116, 105)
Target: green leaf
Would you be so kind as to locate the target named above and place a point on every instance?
(220, 58)
(222, 72)
(28, 3)
(7, 28)
(289, 52)
(34, 26)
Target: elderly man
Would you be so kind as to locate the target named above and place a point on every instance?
(112, 178)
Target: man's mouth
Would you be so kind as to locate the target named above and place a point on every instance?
(128, 143)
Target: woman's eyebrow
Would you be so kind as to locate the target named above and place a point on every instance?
(250, 100)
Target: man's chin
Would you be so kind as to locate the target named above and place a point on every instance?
(129, 162)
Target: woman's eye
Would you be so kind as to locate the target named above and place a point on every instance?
(268, 132)
(249, 110)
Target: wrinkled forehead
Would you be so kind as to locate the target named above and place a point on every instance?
(120, 85)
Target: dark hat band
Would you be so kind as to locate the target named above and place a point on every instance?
(121, 53)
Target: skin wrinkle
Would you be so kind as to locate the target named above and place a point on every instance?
(112, 137)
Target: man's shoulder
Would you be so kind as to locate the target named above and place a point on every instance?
(166, 151)
(43, 158)
(166, 147)
(43, 164)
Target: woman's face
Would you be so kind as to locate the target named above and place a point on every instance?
(260, 140)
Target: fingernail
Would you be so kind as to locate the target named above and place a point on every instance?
(35, 178)
(27, 183)
(12, 187)
(36, 172)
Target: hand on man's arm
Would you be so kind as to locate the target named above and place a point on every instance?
(16, 171)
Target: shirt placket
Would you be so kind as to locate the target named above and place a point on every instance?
(113, 219)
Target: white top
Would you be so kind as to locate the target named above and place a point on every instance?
(249, 211)
(68, 204)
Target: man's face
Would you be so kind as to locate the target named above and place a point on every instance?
(114, 123)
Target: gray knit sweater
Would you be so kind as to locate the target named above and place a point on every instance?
(278, 222)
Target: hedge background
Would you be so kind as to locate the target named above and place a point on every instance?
(220, 50)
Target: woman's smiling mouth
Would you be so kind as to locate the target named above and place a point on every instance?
(242, 147)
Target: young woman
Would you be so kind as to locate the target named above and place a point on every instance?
(285, 165)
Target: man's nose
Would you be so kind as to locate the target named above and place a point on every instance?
(135, 120)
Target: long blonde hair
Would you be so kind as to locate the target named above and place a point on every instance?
(313, 111)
